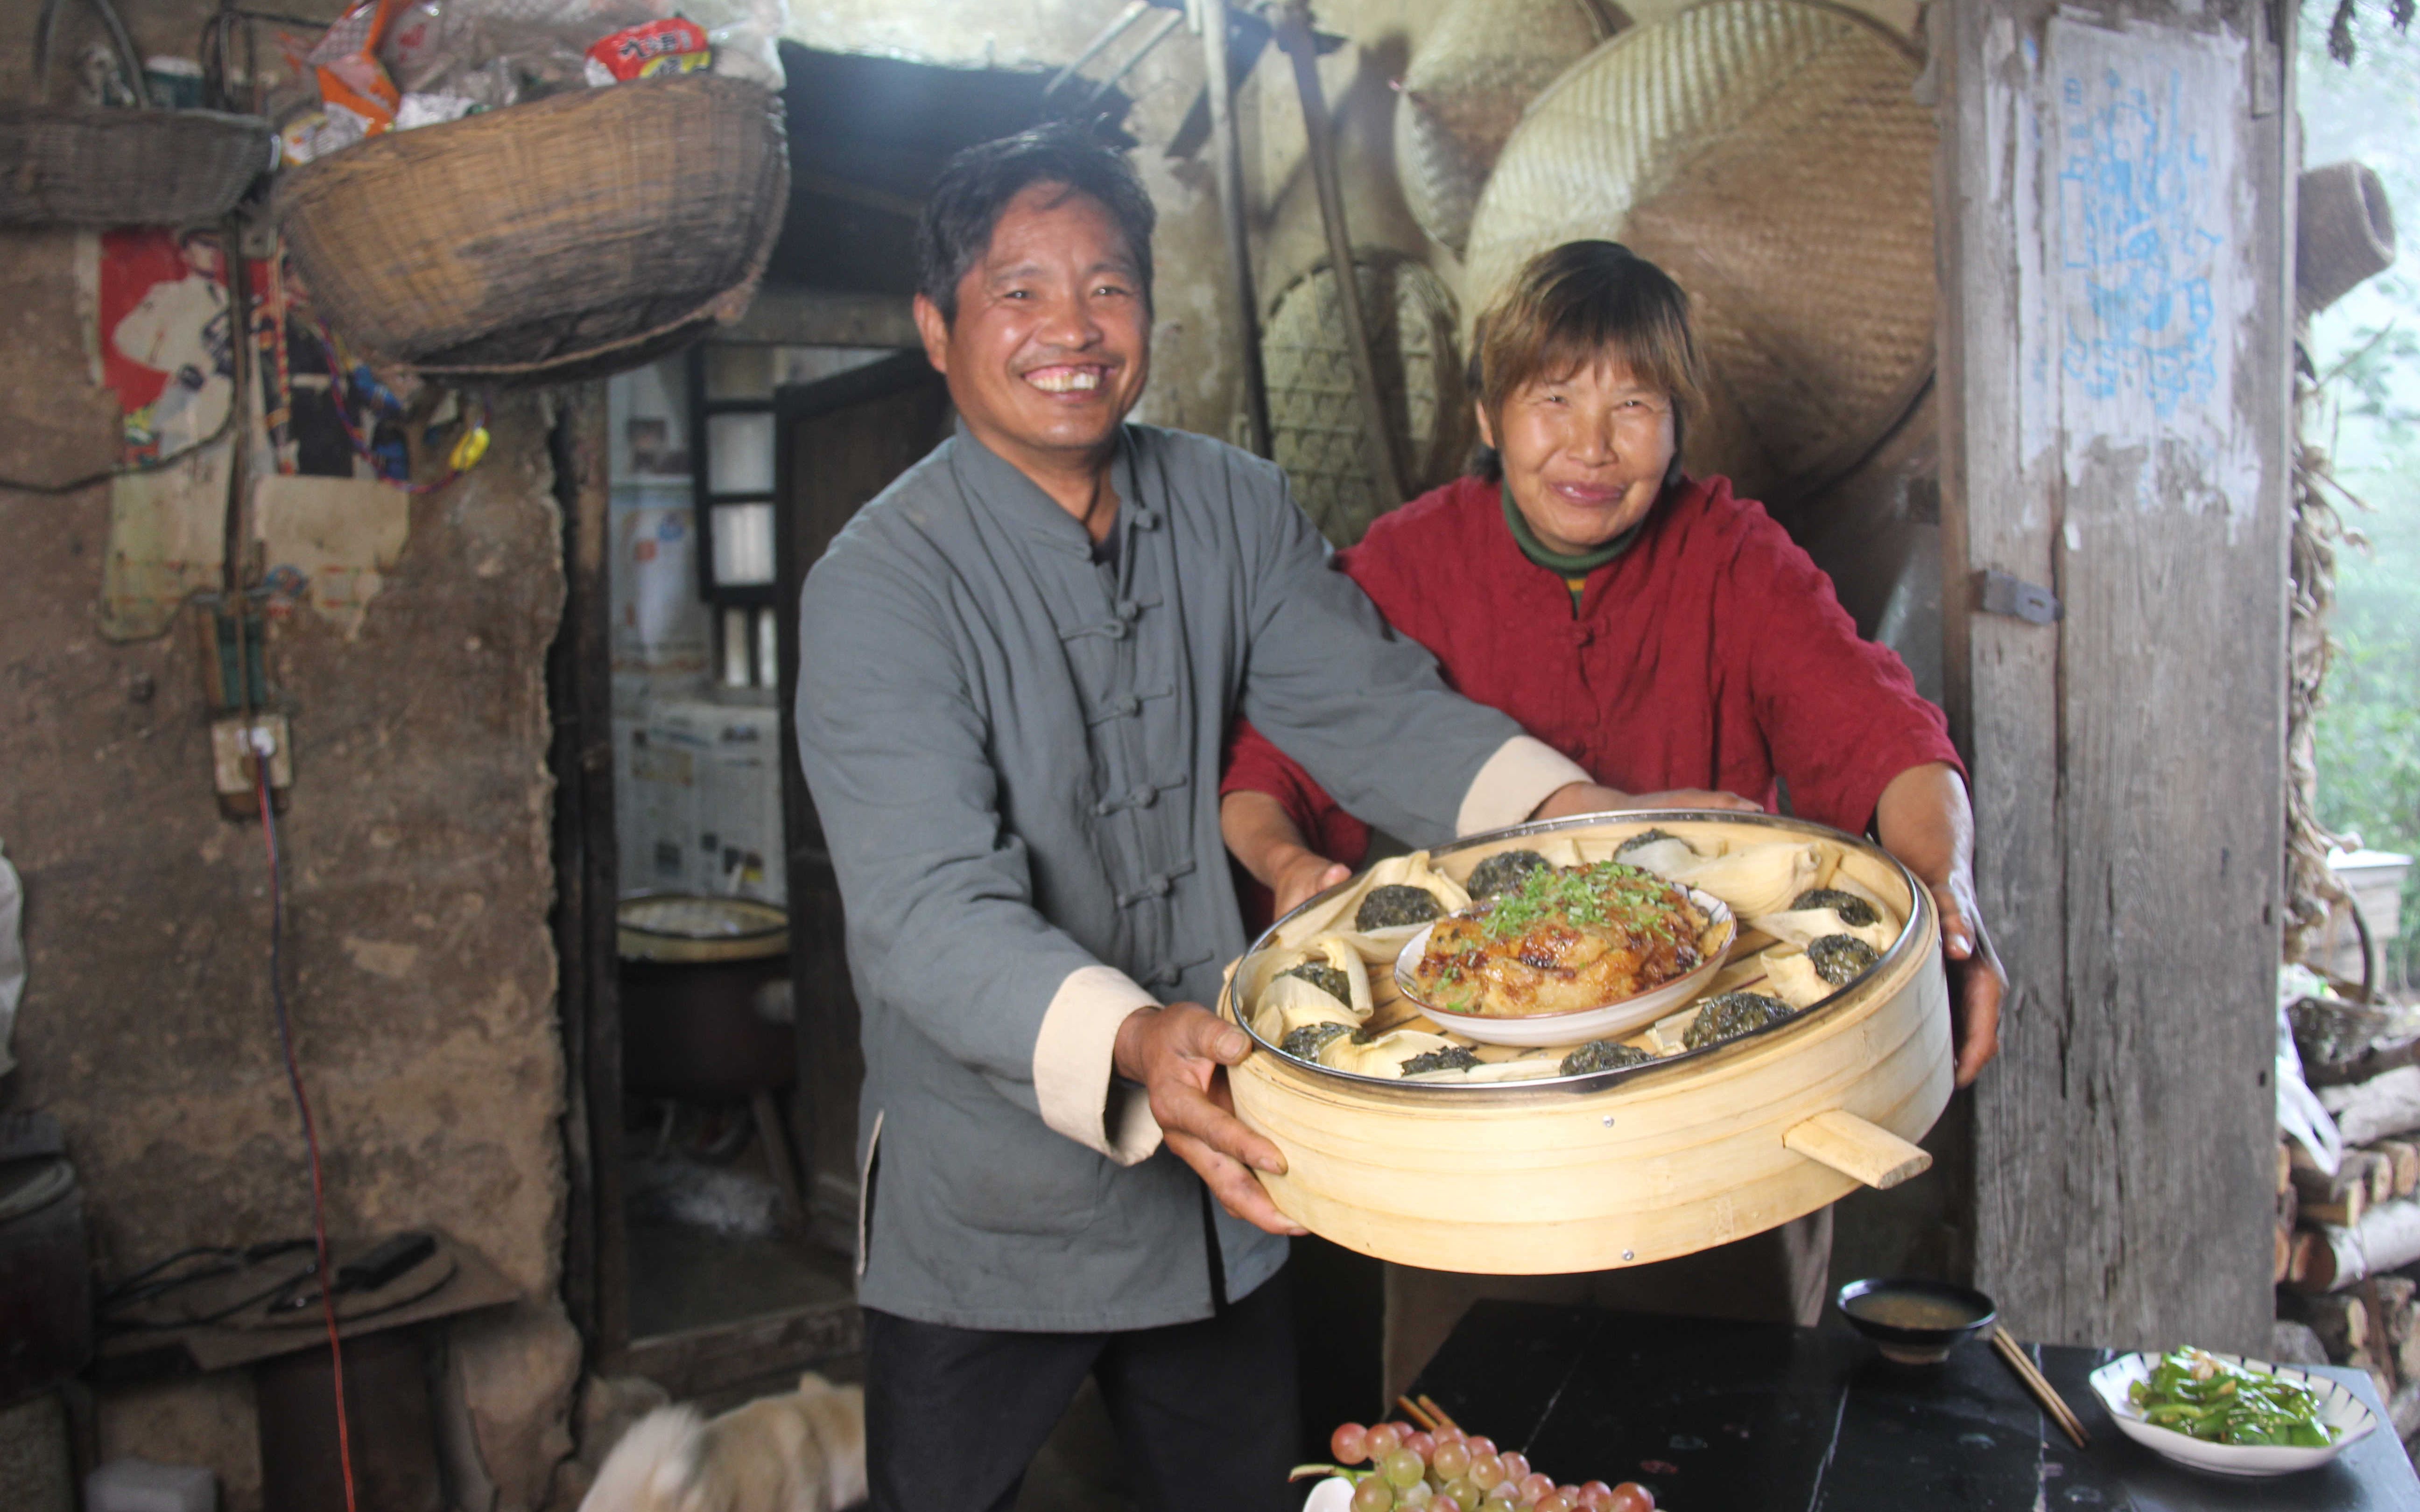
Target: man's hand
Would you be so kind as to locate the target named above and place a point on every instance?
(1591, 797)
(1180, 1054)
(1262, 836)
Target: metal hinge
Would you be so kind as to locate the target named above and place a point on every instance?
(1997, 592)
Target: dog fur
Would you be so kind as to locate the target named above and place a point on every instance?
(804, 1452)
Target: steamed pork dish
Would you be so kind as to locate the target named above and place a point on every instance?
(1565, 940)
(1603, 1054)
(1396, 906)
(1729, 1016)
(1505, 871)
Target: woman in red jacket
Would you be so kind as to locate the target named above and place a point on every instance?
(1662, 633)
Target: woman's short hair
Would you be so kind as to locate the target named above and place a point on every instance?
(1577, 304)
(976, 186)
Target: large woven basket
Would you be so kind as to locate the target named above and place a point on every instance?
(79, 166)
(569, 237)
(1316, 429)
(1475, 73)
(1772, 157)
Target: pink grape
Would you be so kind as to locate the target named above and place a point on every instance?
(1517, 1465)
(1374, 1495)
(1444, 1500)
(1596, 1496)
(1385, 1439)
(1422, 1444)
(1631, 1497)
(1479, 1444)
(1555, 1502)
(1447, 1433)
(1452, 1460)
(1487, 1471)
(1350, 1444)
(1534, 1484)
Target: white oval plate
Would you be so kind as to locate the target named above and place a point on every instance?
(1578, 1025)
(2343, 1411)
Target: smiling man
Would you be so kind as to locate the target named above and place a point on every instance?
(1017, 669)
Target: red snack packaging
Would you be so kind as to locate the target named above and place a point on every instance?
(672, 45)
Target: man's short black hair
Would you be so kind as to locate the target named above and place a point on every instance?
(978, 183)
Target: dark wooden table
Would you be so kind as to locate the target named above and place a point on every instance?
(1758, 1417)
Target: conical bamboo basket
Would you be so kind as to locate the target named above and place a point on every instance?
(1550, 1178)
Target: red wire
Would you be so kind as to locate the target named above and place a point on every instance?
(310, 1128)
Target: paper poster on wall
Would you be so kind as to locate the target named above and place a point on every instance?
(165, 346)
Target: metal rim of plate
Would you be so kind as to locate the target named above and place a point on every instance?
(1920, 897)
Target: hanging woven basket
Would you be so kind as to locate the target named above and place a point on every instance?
(85, 166)
(1474, 74)
(1771, 156)
(1315, 418)
(566, 238)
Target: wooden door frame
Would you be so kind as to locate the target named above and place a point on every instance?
(832, 1195)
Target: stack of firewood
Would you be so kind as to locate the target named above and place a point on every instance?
(2342, 1238)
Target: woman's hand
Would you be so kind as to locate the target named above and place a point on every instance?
(1924, 819)
(1257, 829)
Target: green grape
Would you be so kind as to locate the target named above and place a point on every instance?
(1403, 1468)
(1452, 1459)
(1418, 1494)
(1374, 1495)
(1487, 1471)
(1385, 1439)
(1461, 1490)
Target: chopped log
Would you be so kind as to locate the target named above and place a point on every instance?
(2345, 1212)
(2293, 1343)
(2362, 1174)
(2378, 1109)
(2386, 1239)
(2381, 1175)
(2404, 1156)
(2341, 1319)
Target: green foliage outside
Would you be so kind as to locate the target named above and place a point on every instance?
(2367, 347)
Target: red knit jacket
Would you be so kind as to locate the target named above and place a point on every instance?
(1713, 653)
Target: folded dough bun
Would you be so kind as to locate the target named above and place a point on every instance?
(1378, 947)
(1792, 977)
(1757, 879)
(1382, 1057)
(1290, 1003)
(1802, 927)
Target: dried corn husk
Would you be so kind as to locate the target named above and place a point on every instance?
(1801, 927)
(1382, 1057)
(1375, 947)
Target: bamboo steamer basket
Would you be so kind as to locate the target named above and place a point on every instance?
(1598, 1173)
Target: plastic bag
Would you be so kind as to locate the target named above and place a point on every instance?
(498, 52)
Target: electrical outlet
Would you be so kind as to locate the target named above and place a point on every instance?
(236, 743)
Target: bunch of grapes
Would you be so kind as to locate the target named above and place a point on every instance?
(1449, 1472)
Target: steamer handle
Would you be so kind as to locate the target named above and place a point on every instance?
(1853, 1148)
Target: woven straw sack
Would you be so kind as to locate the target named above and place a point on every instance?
(1315, 424)
(1475, 73)
(568, 238)
(79, 166)
(1771, 157)
(2344, 232)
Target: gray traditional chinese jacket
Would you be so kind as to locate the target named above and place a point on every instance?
(1013, 750)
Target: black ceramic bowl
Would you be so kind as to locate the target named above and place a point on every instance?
(1915, 1321)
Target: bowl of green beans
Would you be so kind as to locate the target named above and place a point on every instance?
(2230, 1415)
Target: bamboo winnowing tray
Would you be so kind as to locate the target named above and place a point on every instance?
(1623, 1167)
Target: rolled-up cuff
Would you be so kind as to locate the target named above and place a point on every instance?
(1523, 774)
(1074, 1068)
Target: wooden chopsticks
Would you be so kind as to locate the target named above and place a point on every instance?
(1427, 1415)
(2043, 1391)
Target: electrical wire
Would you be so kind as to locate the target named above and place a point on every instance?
(303, 1105)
